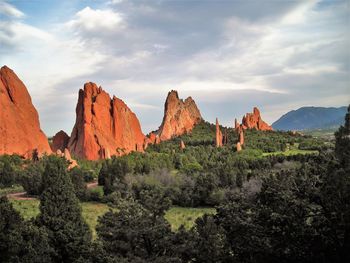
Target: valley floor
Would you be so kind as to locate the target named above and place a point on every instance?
(176, 216)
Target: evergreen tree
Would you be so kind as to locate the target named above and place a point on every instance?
(21, 241)
(134, 233)
(7, 174)
(342, 145)
(69, 235)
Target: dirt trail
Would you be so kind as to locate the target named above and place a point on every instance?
(20, 196)
(92, 185)
(24, 196)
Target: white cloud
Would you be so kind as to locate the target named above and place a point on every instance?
(140, 51)
(17, 34)
(93, 20)
(299, 13)
(10, 10)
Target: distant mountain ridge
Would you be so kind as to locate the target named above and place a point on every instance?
(308, 118)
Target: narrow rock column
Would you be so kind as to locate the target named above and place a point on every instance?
(182, 145)
(218, 134)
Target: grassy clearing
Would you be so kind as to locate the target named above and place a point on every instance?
(27, 208)
(176, 216)
(186, 216)
(11, 190)
(291, 152)
(91, 212)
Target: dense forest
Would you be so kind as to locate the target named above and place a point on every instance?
(284, 198)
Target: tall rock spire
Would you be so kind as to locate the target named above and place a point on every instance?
(218, 138)
(104, 126)
(20, 131)
(254, 121)
(180, 116)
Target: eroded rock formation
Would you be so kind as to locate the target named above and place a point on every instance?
(180, 116)
(218, 134)
(182, 145)
(20, 131)
(240, 142)
(104, 126)
(254, 121)
(238, 147)
(60, 141)
(66, 154)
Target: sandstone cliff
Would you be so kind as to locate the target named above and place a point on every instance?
(218, 134)
(20, 131)
(179, 117)
(254, 121)
(60, 141)
(104, 126)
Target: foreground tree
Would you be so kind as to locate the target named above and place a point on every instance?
(21, 241)
(69, 235)
(134, 233)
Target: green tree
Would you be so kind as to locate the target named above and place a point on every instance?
(31, 179)
(7, 174)
(79, 184)
(134, 233)
(342, 145)
(209, 241)
(60, 213)
(112, 175)
(21, 241)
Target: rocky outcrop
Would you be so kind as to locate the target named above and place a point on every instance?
(20, 131)
(240, 142)
(241, 136)
(182, 145)
(254, 121)
(60, 141)
(72, 163)
(180, 116)
(104, 127)
(218, 134)
(66, 154)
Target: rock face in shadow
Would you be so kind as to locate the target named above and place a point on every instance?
(180, 116)
(254, 121)
(104, 127)
(20, 131)
(60, 141)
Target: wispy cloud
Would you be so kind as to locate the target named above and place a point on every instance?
(10, 11)
(230, 56)
(95, 20)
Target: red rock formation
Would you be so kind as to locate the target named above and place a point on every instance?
(241, 137)
(60, 141)
(240, 131)
(182, 145)
(66, 154)
(153, 138)
(20, 131)
(218, 135)
(254, 121)
(179, 117)
(72, 163)
(104, 126)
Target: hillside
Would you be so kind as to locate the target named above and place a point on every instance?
(308, 118)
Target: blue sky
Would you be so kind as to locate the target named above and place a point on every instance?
(228, 55)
